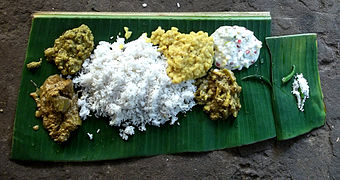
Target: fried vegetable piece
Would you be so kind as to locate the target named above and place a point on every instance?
(189, 56)
(71, 49)
(57, 106)
(219, 93)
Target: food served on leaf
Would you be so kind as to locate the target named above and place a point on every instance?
(219, 94)
(235, 47)
(34, 64)
(300, 90)
(189, 56)
(57, 106)
(71, 49)
(135, 85)
(131, 87)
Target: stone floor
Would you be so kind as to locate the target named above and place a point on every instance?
(311, 156)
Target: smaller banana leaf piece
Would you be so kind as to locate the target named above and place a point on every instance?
(301, 51)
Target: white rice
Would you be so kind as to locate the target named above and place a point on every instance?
(130, 86)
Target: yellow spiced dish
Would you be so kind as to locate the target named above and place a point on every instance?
(127, 33)
(57, 106)
(189, 56)
(34, 64)
(219, 94)
(71, 49)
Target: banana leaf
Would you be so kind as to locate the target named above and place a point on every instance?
(196, 131)
(301, 51)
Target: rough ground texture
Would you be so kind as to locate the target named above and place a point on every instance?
(311, 156)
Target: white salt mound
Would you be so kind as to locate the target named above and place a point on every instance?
(300, 90)
(130, 86)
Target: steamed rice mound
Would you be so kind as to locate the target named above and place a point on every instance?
(130, 86)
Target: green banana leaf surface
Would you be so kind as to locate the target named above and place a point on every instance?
(257, 120)
(301, 51)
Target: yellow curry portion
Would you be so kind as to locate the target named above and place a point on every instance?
(189, 56)
(127, 33)
(219, 93)
(57, 106)
(71, 49)
(34, 64)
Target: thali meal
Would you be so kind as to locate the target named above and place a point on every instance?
(147, 81)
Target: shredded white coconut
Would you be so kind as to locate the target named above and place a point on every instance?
(130, 86)
(300, 90)
(144, 5)
(98, 130)
(178, 5)
(90, 136)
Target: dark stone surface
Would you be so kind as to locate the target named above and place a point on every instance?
(311, 156)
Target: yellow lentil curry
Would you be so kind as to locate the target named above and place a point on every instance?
(71, 49)
(34, 64)
(189, 56)
(57, 106)
(127, 33)
(219, 93)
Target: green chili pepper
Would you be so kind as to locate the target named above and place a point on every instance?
(289, 76)
(258, 77)
(301, 94)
